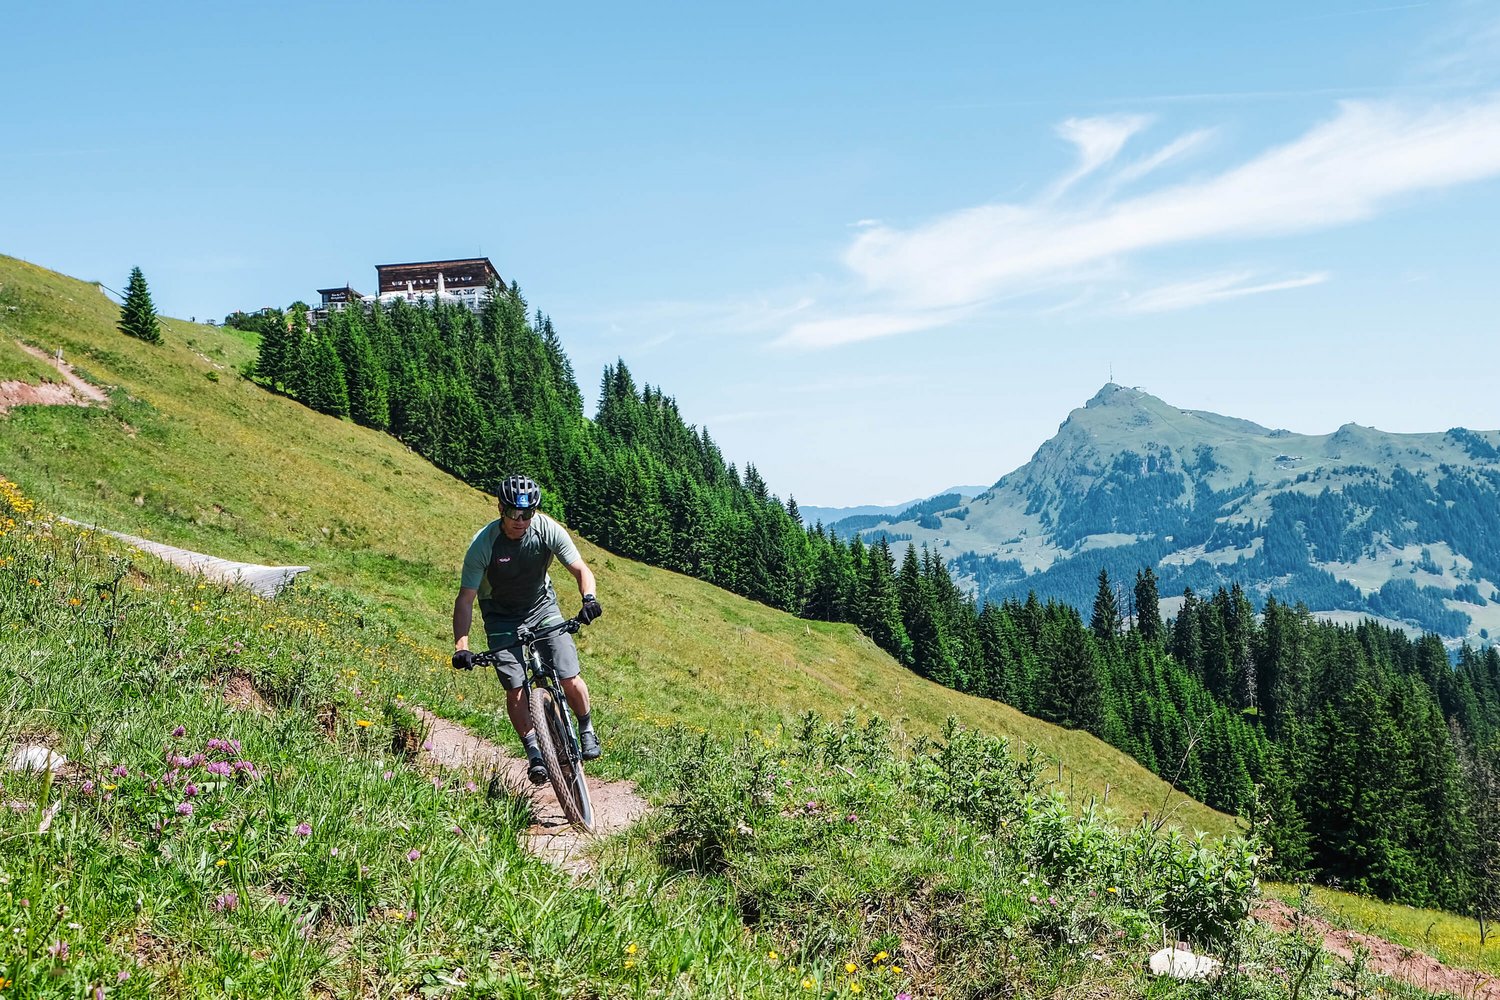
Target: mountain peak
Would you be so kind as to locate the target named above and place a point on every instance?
(1114, 393)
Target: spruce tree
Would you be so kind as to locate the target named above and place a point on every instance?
(138, 315)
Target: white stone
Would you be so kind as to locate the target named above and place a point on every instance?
(1181, 964)
(34, 758)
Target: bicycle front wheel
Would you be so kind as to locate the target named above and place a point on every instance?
(559, 753)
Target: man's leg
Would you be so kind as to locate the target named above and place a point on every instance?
(577, 693)
(520, 717)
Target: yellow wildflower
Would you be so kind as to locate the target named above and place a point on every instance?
(851, 968)
(772, 955)
(631, 949)
(855, 988)
(220, 863)
(363, 723)
(74, 601)
(880, 957)
(807, 984)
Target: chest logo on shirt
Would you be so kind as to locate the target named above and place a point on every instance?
(502, 559)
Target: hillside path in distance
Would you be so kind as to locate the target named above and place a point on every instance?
(267, 581)
(73, 391)
(550, 837)
(1385, 957)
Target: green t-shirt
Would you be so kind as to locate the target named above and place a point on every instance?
(511, 576)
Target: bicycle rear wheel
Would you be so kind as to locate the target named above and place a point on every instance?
(564, 770)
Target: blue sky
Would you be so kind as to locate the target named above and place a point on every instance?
(876, 252)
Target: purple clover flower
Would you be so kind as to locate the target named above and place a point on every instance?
(303, 830)
(180, 731)
(184, 808)
(229, 901)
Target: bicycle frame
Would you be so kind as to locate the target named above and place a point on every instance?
(552, 721)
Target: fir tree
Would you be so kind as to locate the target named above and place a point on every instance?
(138, 315)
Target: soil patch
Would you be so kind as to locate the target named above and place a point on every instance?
(1386, 957)
(550, 837)
(73, 391)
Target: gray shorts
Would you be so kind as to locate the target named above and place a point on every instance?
(557, 650)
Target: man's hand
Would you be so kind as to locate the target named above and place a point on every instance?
(463, 659)
(591, 609)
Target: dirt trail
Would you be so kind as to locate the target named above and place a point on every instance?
(73, 391)
(550, 837)
(1387, 958)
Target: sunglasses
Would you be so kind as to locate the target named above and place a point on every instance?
(519, 515)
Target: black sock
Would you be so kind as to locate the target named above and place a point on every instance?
(532, 750)
(586, 722)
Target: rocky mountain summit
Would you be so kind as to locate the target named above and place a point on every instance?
(1359, 522)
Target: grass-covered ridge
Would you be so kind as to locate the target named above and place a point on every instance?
(191, 454)
(752, 880)
(197, 845)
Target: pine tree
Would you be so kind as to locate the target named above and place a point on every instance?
(1147, 607)
(1106, 619)
(138, 315)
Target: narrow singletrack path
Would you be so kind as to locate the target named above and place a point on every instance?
(550, 837)
(267, 581)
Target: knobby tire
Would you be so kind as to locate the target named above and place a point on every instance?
(552, 740)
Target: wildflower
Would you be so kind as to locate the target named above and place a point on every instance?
(413, 854)
(631, 949)
(88, 788)
(1111, 889)
(772, 955)
(303, 830)
(120, 771)
(219, 767)
(630, 963)
(58, 951)
(855, 988)
(386, 776)
(282, 899)
(123, 975)
(426, 744)
(852, 818)
(184, 808)
(903, 995)
(220, 863)
(190, 790)
(850, 968)
(229, 901)
(363, 723)
(180, 731)
(898, 970)
(74, 601)
(470, 787)
(333, 852)
(807, 984)
(880, 957)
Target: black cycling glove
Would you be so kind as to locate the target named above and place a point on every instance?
(463, 659)
(591, 609)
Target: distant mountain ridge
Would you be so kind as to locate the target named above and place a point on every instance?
(1404, 527)
(831, 516)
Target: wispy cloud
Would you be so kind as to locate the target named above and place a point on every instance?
(1342, 171)
(1216, 288)
(1098, 140)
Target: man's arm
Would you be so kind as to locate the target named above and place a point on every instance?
(463, 616)
(584, 576)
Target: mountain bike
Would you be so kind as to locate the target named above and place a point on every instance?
(556, 731)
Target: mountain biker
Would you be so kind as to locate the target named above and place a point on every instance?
(505, 569)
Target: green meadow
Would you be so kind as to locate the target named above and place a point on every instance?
(241, 813)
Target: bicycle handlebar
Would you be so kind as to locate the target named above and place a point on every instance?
(526, 636)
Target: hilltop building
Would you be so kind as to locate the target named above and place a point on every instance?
(461, 282)
(337, 299)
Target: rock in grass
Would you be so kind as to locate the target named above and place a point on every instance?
(1182, 964)
(35, 758)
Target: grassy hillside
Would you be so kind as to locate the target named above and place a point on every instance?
(196, 846)
(191, 454)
